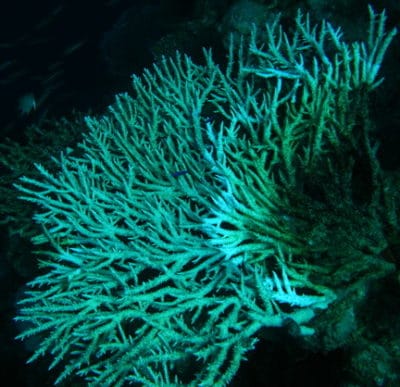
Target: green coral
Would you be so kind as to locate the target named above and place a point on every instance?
(40, 143)
(214, 204)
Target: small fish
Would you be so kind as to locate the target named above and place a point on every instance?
(179, 173)
(6, 64)
(40, 41)
(50, 18)
(26, 103)
(54, 66)
(52, 77)
(73, 47)
(17, 75)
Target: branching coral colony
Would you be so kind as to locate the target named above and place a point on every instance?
(214, 204)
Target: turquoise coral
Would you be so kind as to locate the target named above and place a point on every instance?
(199, 212)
